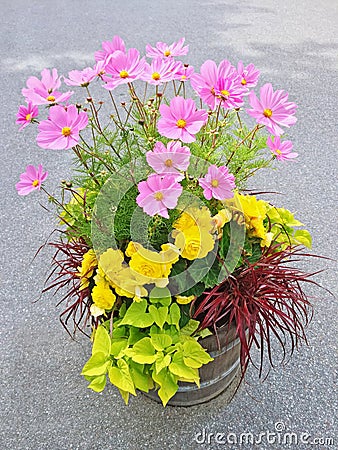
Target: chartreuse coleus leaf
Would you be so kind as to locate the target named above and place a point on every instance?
(302, 237)
(96, 365)
(179, 368)
(159, 315)
(117, 347)
(136, 315)
(162, 361)
(143, 352)
(174, 315)
(283, 216)
(161, 341)
(168, 384)
(102, 341)
(98, 383)
(194, 355)
(142, 381)
(120, 376)
(160, 295)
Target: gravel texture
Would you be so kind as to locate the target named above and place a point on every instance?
(44, 401)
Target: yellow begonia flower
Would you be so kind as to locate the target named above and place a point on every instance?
(254, 213)
(89, 263)
(222, 217)
(154, 266)
(102, 295)
(182, 300)
(267, 239)
(193, 217)
(194, 243)
(193, 233)
(128, 284)
(132, 248)
(110, 264)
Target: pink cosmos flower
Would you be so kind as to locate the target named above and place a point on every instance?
(273, 109)
(282, 150)
(26, 114)
(181, 120)
(163, 50)
(61, 129)
(229, 92)
(81, 77)
(109, 48)
(123, 68)
(169, 160)
(249, 74)
(44, 91)
(185, 73)
(217, 183)
(100, 68)
(161, 71)
(158, 194)
(205, 82)
(31, 180)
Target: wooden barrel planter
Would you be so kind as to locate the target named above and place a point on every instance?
(216, 376)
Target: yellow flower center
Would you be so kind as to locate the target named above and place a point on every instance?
(50, 98)
(169, 162)
(28, 117)
(278, 151)
(267, 112)
(124, 74)
(214, 183)
(167, 53)
(243, 81)
(35, 183)
(183, 77)
(156, 76)
(66, 131)
(158, 196)
(225, 93)
(181, 123)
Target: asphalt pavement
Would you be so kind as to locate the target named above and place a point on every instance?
(45, 403)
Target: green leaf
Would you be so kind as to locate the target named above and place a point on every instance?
(159, 315)
(180, 369)
(224, 242)
(119, 332)
(117, 347)
(303, 237)
(96, 365)
(162, 361)
(135, 335)
(197, 290)
(161, 341)
(168, 385)
(124, 395)
(121, 378)
(190, 327)
(160, 295)
(102, 341)
(283, 216)
(194, 355)
(136, 315)
(203, 333)
(98, 383)
(174, 315)
(143, 352)
(140, 379)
